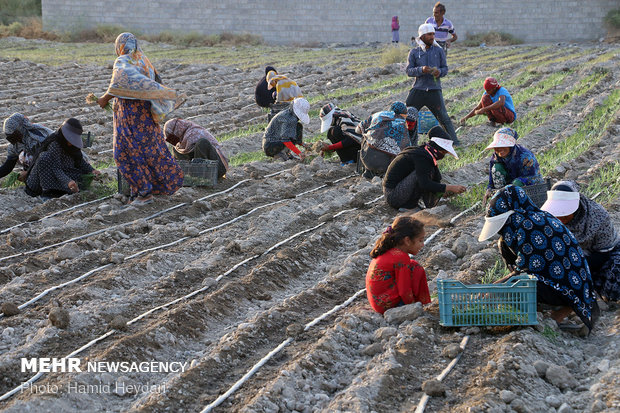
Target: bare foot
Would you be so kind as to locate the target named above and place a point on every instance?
(561, 314)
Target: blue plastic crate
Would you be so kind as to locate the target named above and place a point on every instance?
(426, 121)
(508, 304)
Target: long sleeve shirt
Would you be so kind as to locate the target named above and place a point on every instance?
(419, 57)
(393, 278)
(520, 163)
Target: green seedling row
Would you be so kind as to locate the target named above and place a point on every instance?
(605, 182)
(247, 157)
(475, 152)
(571, 147)
(590, 131)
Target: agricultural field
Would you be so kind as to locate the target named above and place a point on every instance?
(257, 285)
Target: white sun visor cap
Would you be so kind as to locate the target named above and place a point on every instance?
(445, 144)
(561, 203)
(301, 107)
(492, 225)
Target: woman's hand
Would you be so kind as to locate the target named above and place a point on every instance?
(103, 100)
(73, 187)
(455, 189)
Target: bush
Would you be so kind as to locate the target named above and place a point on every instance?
(107, 33)
(395, 54)
(30, 28)
(491, 39)
(199, 39)
(612, 19)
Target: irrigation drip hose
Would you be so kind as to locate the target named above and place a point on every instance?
(314, 322)
(139, 253)
(172, 208)
(444, 373)
(193, 293)
(55, 213)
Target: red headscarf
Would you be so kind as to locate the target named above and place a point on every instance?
(490, 84)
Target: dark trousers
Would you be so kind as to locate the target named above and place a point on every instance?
(349, 152)
(433, 100)
(407, 193)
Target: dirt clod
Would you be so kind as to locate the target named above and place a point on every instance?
(9, 309)
(59, 317)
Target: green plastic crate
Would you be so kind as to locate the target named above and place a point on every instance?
(511, 303)
(199, 172)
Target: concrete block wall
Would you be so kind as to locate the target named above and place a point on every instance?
(336, 21)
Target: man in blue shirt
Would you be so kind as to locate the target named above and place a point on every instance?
(427, 63)
(496, 104)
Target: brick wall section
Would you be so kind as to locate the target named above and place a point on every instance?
(336, 21)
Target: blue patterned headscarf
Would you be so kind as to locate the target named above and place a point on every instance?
(545, 249)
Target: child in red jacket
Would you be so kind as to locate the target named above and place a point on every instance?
(393, 279)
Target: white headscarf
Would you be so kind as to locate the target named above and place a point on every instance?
(422, 30)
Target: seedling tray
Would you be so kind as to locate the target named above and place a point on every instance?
(508, 304)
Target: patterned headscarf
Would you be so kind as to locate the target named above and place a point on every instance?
(32, 134)
(184, 134)
(134, 78)
(545, 248)
(19, 122)
(399, 108)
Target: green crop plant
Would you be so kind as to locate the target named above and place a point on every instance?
(544, 112)
(475, 152)
(505, 57)
(550, 334)
(488, 314)
(247, 157)
(565, 57)
(496, 272)
(569, 148)
(238, 133)
(589, 133)
(605, 182)
(604, 57)
(11, 180)
(468, 198)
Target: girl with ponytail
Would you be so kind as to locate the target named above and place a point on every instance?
(393, 279)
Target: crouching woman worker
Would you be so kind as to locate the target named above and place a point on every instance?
(286, 130)
(24, 139)
(592, 226)
(511, 163)
(60, 168)
(413, 175)
(193, 141)
(393, 279)
(535, 242)
(384, 136)
(340, 126)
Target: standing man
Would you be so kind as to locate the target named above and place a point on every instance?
(444, 29)
(427, 63)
